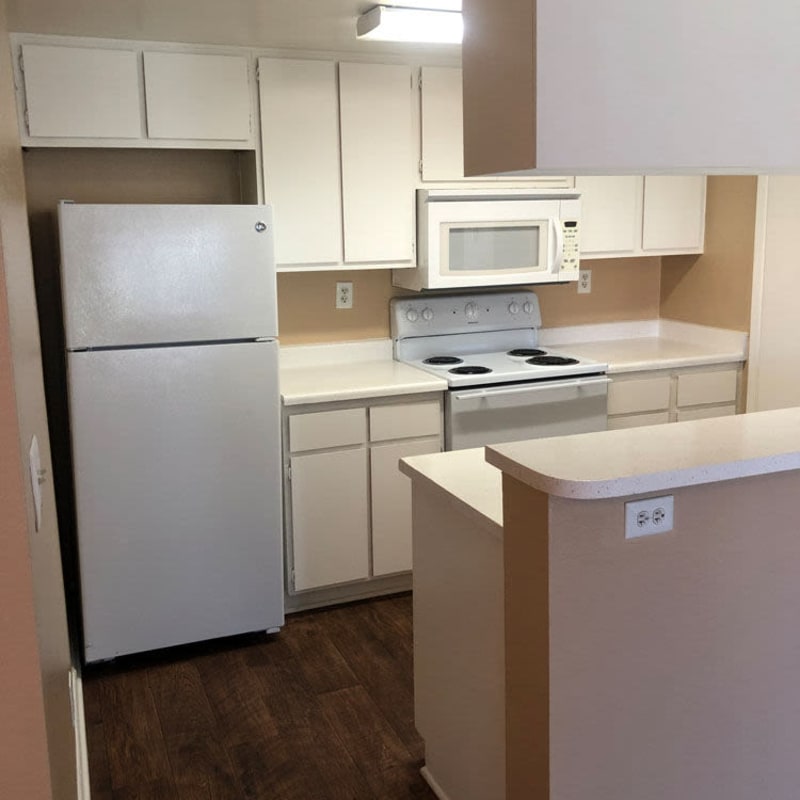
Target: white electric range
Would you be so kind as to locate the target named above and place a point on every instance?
(502, 385)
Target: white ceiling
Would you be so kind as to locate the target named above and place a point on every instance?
(295, 24)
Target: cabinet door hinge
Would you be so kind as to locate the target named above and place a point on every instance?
(420, 168)
(289, 473)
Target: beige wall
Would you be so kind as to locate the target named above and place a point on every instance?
(24, 770)
(715, 288)
(673, 659)
(21, 330)
(622, 289)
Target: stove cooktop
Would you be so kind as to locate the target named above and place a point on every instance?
(519, 364)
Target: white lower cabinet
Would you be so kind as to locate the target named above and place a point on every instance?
(391, 505)
(348, 506)
(673, 395)
(330, 523)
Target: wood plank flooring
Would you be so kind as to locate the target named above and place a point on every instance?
(321, 711)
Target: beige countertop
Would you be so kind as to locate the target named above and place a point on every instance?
(349, 371)
(465, 478)
(324, 373)
(650, 344)
(640, 460)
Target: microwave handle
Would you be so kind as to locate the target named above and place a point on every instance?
(559, 254)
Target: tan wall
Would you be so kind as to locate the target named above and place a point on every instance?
(673, 658)
(24, 770)
(715, 288)
(622, 289)
(45, 561)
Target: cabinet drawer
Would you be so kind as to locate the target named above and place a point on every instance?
(707, 412)
(646, 394)
(638, 420)
(327, 429)
(404, 421)
(707, 387)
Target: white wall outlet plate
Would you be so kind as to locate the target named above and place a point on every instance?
(344, 294)
(585, 281)
(646, 517)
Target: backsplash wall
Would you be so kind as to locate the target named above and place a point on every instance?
(622, 289)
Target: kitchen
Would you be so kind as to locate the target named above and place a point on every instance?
(622, 289)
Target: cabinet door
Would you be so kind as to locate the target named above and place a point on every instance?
(611, 209)
(300, 139)
(442, 124)
(377, 162)
(674, 213)
(391, 505)
(330, 524)
(194, 96)
(82, 92)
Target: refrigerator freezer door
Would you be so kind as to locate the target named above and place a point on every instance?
(146, 274)
(178, 492)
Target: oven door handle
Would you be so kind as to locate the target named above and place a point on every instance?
(531, 387)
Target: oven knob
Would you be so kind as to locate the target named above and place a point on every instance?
(513, 308)
(411, 315)
(527, 306)
(471, 310)
(427, 314)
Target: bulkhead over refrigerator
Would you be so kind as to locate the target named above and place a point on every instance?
(170, 318)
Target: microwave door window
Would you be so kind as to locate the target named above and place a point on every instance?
(498, 248)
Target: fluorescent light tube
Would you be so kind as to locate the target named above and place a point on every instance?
(390, 24)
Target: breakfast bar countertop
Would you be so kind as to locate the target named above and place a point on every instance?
(654, 458)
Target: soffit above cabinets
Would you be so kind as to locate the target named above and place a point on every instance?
(328, 25)
(629, 87)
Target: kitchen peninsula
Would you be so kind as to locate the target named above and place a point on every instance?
(570, 661)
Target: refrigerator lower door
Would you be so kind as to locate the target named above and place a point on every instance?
(178, 492)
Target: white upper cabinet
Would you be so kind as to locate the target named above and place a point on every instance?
(631, 215)
(674, 213)
(300, 141)
(81, 92)
(442, 124)
(377, 163)
(197, 96)
(131, 95)
(442, 133)
(611, 209)
(679, 87)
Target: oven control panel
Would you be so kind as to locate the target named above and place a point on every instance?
(432, 315)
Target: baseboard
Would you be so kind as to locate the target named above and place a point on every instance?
(79, 726)
(431, 781)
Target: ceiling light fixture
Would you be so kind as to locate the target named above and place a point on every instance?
(401, 24)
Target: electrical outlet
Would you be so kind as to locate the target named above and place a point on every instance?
(585, 281)
(344, 294)
(653, 515)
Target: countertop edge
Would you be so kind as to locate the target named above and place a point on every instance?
(676, 363)
(360, 393)
(647, 483)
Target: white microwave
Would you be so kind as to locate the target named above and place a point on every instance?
(494, 237)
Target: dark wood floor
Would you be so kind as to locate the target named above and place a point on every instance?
(322, 710)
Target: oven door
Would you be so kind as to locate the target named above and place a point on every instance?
(495, 414)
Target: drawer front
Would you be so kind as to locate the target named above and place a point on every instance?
(645, 394)
(404, 421)
(707, 412)
(638, 420)
(707, 387)
(323, 429)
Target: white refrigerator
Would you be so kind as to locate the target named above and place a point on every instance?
(170, 318)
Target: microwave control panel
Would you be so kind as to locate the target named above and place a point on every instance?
(572, 245)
